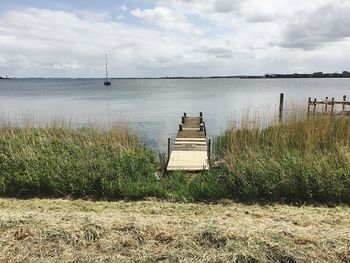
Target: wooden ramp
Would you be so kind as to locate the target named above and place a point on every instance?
(190, 150)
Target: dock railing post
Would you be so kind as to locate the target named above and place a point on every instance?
(344, 100)
(169, 149)
(280, 117)
(308, 107)
(180, 126)
(209, 150)
(332, 106)
(183, 119)
(325, 105)
(185, 114)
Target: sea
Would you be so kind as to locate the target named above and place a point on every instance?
(153, 107)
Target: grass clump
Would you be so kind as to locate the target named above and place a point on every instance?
(75, 162)
(301, 160)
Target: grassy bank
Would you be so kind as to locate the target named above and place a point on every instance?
(298, 161)
(40, 230)
(75, 162)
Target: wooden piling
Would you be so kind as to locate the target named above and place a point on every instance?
(308, 107)
(344, 100)
(169, 149)
(182, 119)
(332, 106)
(280, 117)
(315, 103)
(209, 150)
(325, 105)
(180, 127)
(185, 114)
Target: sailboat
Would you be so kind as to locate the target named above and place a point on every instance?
(107, 82)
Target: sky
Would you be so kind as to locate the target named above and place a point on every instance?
(156, 38)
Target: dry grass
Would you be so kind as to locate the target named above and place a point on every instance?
(41, 230)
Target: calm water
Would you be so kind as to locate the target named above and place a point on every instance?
(154, 107)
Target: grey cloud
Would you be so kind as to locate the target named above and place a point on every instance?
(329, 23)
(226, 6)
(217, 52)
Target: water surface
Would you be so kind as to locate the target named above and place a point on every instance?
(154, 107)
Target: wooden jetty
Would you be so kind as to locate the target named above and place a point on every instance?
(190, 151)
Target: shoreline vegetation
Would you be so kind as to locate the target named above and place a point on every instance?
(299, 161)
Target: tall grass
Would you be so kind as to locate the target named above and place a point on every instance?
(62, 161)
(301, 160)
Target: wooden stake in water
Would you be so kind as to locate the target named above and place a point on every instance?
(315, 103)
(280, 117)
(332, 106)
(308, 107)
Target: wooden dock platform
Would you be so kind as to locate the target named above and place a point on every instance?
(190, 151)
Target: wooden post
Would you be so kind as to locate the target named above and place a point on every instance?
(201, 127)
(308, 107)
(180, 127)
(201, 114)
(209, 150)
(332, 106)
(344, 100)
(315, 103)
(185, 115)
(169, 148)
(325, 106)
(280, 117)
(183, 119)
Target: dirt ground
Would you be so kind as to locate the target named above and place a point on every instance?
(57, 230)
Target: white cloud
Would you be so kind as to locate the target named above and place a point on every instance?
(166, 18)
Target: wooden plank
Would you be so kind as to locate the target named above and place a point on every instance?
(189, 152)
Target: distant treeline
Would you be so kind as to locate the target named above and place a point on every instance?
(344, 74)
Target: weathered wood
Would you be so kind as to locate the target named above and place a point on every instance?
(169, 148)
(209, 150)
(314, 110)
(327, 102)
(280, 117)
(190, 150)
(332, 106)
(308, 107)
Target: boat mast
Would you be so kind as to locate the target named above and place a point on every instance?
(106, 68)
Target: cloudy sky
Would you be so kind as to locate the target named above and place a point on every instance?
(152, 38)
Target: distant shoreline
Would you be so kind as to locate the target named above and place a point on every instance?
(316, 75)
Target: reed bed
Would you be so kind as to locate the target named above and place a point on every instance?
(300, 160)
(61, 161)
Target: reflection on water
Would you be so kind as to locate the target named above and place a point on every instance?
(154, 107)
